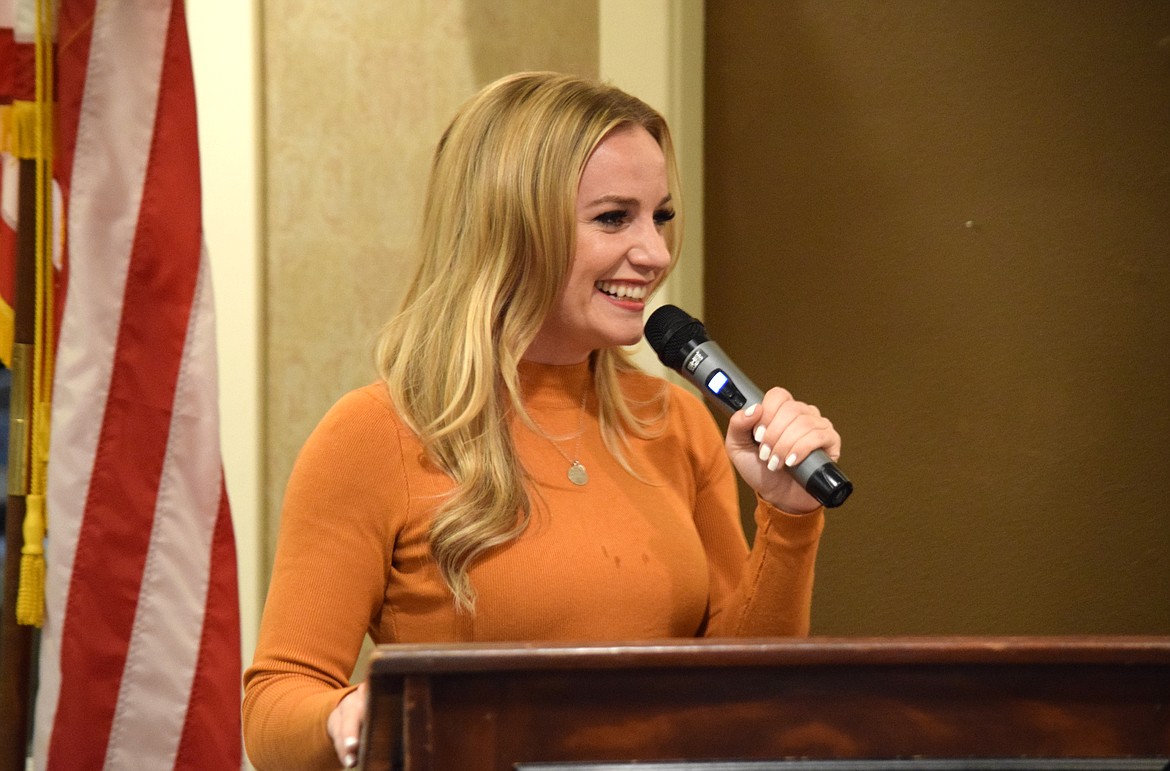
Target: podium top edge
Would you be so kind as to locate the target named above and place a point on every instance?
(404, 659)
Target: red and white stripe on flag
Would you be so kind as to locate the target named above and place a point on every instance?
(17, 83)
(140, 653)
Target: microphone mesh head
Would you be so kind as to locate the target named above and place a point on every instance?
(668, 330)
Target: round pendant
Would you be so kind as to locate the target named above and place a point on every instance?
(577, 474)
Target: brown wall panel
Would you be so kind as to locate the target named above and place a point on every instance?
(947, 223)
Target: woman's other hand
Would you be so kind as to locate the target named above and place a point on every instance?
(344, 725)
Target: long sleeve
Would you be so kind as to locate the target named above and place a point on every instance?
(766, 591)
(773, 596)
(327, 583)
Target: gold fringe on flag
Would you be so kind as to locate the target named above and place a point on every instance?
(26, 117)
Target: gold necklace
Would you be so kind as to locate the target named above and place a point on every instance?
(577, 473)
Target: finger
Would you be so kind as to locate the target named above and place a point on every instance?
(802, 437)
(742, 421)
(789, 415)
(762, 414)
(774, 400)
(352, 726)
(741, 425)
(344, 726)
(350, 749)
(780, 449)
(337, 731)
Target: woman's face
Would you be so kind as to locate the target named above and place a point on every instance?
(623, 205)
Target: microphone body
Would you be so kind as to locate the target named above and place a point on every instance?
(682, 344)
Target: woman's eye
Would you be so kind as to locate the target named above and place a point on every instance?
(612, 219)
(663, 216)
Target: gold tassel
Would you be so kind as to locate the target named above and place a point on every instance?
(30, 599)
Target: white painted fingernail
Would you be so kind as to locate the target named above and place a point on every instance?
(765, 452)
(758, 434)
(751, 410)
(350, 760)
(774, 463)
(790, 460)
(351, 743)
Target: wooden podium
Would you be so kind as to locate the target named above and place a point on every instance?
(732, 704)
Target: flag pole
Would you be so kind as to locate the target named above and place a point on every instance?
(15, 638)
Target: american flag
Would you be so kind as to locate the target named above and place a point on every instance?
(17, 84)
(140, 651)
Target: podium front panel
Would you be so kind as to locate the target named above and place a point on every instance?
(471, 707)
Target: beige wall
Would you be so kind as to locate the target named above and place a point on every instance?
(948, 224)
(355, 96)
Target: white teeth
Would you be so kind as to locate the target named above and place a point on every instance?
(623, 291)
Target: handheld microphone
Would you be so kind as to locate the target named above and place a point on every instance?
(681, 342)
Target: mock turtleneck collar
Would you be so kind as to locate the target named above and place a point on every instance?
(554, 384)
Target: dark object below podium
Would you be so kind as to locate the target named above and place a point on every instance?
(479, 706)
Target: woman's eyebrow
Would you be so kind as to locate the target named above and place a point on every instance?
(624, 201)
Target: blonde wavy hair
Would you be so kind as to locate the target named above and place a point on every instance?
(497, 238)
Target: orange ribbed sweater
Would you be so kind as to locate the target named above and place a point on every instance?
(617, 559)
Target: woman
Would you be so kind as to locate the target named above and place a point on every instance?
(513, 476)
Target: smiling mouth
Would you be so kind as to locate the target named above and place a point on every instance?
(622, 291)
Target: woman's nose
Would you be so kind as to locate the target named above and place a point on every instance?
(650, 249)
